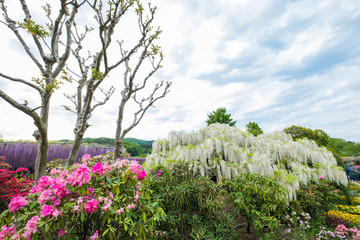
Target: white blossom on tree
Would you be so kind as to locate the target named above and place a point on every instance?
(224, 151)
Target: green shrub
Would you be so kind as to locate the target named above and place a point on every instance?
(194, 205)
(316, 198)
(261, 199)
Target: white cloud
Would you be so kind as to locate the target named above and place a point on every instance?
(276, 63)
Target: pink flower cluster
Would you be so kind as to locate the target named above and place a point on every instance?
(31, 227)
(91, 206)
(98, 168)
(341, 232)
(17, 203)
(54, 190)
(5, 231)
(135, 167)
(95, 236)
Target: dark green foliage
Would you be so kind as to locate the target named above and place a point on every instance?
(316, 198)
(194, 205)
(261, 199)
(253, 128)
(319, 136)
(220, 116)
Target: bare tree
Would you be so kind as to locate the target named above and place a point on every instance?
(107, 20)
(151, 52)
(50, 63)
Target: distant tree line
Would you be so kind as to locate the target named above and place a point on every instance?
(338, 146)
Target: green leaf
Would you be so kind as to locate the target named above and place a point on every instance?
(82, 217)
(47, 227)
(105, 232)
(33, 205)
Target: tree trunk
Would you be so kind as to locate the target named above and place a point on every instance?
(118, 136)
(41, 159)
(41, 136)
(75, 148)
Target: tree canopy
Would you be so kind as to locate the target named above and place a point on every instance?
(220, 116)
(318, 135)
(253, 128)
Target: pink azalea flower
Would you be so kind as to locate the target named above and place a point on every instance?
(61, 233)
(355, 167)
(46, 210)
(335, 191)
(95, 236)
(326, 184)
(141, 175)
(57, 213)
(134, 167)
(91, 206)
(17, 203)
(91, 190)
(76, 208)
(79, 177)
(80, 200)
(322, 177)
(7, 231)
(86, 157)
(130, 206)
(55, 171)
(16, 237)
(44, 196)
(120, 211)
(44, 182)
(98, 168)
(31, 227)
(111, 195)
(107, 205)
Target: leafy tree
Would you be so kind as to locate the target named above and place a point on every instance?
(49, 48)
(220, 116)
(253, 128)
(319, 136)
(352, 149)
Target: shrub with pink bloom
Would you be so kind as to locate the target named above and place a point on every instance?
(86, 201)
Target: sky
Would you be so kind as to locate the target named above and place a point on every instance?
(277, 63)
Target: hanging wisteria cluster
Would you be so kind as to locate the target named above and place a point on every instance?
(226, 151)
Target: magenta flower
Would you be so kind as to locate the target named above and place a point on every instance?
(95, 236)
(355, 167)
(46, 210)
(141, 175)
(322, 177)
(91, 206)
(17, 203)
(61, 233)
(335, 191)
(98, 168)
